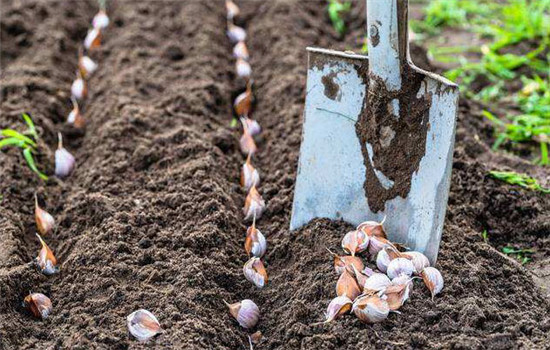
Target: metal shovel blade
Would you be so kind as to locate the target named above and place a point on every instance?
(376, 144)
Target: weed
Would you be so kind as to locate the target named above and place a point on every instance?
(522, 254)
(522, 180)
(336, 10)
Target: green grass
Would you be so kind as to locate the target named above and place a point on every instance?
(522, 180)
(25, 141)
(522, 254)
(336, 9)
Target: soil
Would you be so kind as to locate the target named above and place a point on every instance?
(152, 217)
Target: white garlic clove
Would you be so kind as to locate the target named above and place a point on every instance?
(254, 205)
(243, 68)
(382, 260)
(255, 272)
(255, 243)
(93, 39)
(64, 161)
(403, 279)
(247, 143)
(75, 117)
(355, 242)
(337, 307)
(232, 9)
(143, 325)
(252, 126)
(249, 175)
(246, 312)
(241, 51)
(235, 33)
(347, 286)
(45, 260)
(371, 308)
(376, 244)
(372, 228)
(377, 282)
(44, 221)
(100, 20)
(79, 90)
(86, 65)
(433, 280)
(39, 304)
(400, 266)
(419, 260)
(367, 271)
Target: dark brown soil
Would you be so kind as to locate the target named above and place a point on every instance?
(152, 216)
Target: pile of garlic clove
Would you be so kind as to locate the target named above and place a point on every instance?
(372, 295)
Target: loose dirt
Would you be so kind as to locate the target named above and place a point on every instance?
(152, 216)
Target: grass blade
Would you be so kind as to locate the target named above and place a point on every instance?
(27, 153)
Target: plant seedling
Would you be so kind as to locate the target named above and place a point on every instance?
(14, 138)
(522, 254)
(522, 180)
(336, 10)
(485, 236)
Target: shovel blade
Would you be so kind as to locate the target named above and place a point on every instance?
(332, 176)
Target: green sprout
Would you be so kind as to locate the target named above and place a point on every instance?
(485, 236)
(10, 137)
(522, 254)
(522, 180)
(336, 10)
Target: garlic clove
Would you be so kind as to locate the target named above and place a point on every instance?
(243, 102)
(75, 117)
(248, 146)
(44, 221)
(143, 325)
(252, 126)
(341, 262)
(249, 175)
(79, 90)
(86, 66)
(38, 304)
(235, 33)
(246, 312)
(232, 9)
(376, 283)
(241, 51)
(93, 39)
(336, 308)
(45, 260)
(373, 228)
(100, 20)
(347, 285)
(255, 243)
(254, 205)
(255, 272)
(371, 308)
(433, 280)
(419, 260)
(403, 279)
(382, 260)
(376, 244)
(243, 68)
(367, 271)
(400, 266)
(396, 295)
(355, 242)
(64, 161)
(359, 277)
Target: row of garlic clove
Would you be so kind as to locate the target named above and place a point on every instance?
(370, 295)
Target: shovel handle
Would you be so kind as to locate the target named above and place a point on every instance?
(388, 43)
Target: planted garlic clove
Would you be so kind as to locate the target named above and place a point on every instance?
(243, 102)
(376, 244)
(38, 304)
(373, 228)
(75, 117)
(143, 325)
(100, 20)
(433, 280)
(254, 205)
(396, 295)
(419, 260)
(247, 143)
(371, 309)
(45, 260)
(246, 312)
(232, 9)
(241, 51)
(243, 68)
(336, 308)
(249, 175)
(376, 283)
(355, 242)
(251, 126)
(255, 272)
(93, 39)
(255, 243)
(235, 33)
(400, 266)
(79, 89)
(64, 161)
(86, 66)
(44, 221)
(341, 262)
(347, 286)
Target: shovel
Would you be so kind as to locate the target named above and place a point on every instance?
(378, 136)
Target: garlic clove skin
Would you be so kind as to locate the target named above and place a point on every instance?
(100, 20)
(396, 295)
(143, 325)
(355, 242)
(249, 175)
(347, 286)
(433, 280)
(45, 260)
(367, 271)
(246, 312)
(232, 9)
(344, 261)
(419, 260)
(254, 205)
(38, 304)
(376, 283)
(400, 266)
(79, 90)
(255, 272)
(241, 51)
(64, 161)
(255, 243)
(243, 68)
(371, 309)
(337, 307)
(86, 65)
(243, 103)
(376, 244)
(235, 33)
(44, 221)
(93, 39)
(372, 228)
